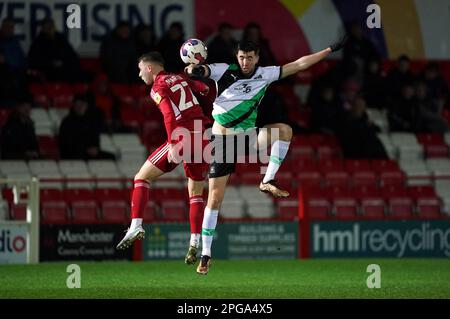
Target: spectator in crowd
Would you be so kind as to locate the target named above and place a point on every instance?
(18, 137)
(222, 47)
(436, 85)
(357, 134)
(118, 55)
(169, 47)
(79, 134)
(374, 85)
(10, 45)
(145, 39)
(403, 114)
(358, 51)
(53, 56)
(326, 111)
(429, 111)
(400, 76)
(349, 91)
(106, 102)
(252, 32)
(11, 83)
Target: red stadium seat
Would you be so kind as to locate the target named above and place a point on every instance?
(372, 207)
(85, 212)
(19, 211)
(301, 152)
(174, 210)
(371, 202)
(429, 208)
(115, 211)
(364, 178)
(51, 194)
(306, 165)
(80, 88)
(250, 178)
(48, 147)
(428, 204)
(385, 166)
(317, 208)
(327, 152)
(345, 207)
(151, 211)
(72, 195)
(400, 207)
(169, 194)
(430, 139)
(337, 178)
(390, 191)
(308, 179)
(317, 203)
(396, 178)
(437, 151)
(287, 208)
(63, 101)
(334, 165)
(105, 194)
(353, 166)
(54, 212)
(421, 191)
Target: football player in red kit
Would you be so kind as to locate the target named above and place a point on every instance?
(184, 123)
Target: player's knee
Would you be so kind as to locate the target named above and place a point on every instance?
(215, 199)
(141, 176)
(285, 133)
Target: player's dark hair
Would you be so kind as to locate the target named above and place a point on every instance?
(247, 46)
(152, 57)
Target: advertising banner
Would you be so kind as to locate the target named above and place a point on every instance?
(380, 239)
(82, 242)
(13, 244)
(91, 20)
(232, 240)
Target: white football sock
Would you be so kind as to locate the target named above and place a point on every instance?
(277, 154)
(195, 240)
(135, 223)
(208, 228)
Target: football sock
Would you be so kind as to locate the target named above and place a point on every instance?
(208, 228)
(195, 218)
(277, 154)
(136, 222)
(139, 198)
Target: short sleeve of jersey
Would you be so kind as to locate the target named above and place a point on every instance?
(217, 70)
(156, 94)
(271, 73)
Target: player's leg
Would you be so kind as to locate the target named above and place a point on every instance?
(196, 171)
(216, 194)
(196, 208)
(139, 198)
(221, 167)
(278, 151)
(155, 166)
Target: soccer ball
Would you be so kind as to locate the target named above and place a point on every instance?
(193, 51)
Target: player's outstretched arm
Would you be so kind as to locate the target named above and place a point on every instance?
(308, 60)
(197, 71)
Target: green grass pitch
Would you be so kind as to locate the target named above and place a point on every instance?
(315, 278)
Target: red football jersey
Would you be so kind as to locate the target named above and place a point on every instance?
(173, 93)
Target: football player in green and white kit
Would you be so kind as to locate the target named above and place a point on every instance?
(240, 88)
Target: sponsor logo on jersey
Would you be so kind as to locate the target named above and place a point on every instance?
(155, 96)
(244, 87)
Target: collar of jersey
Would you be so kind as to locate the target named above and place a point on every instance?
(242, 76)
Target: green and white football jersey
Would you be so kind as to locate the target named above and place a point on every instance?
(238, 97)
